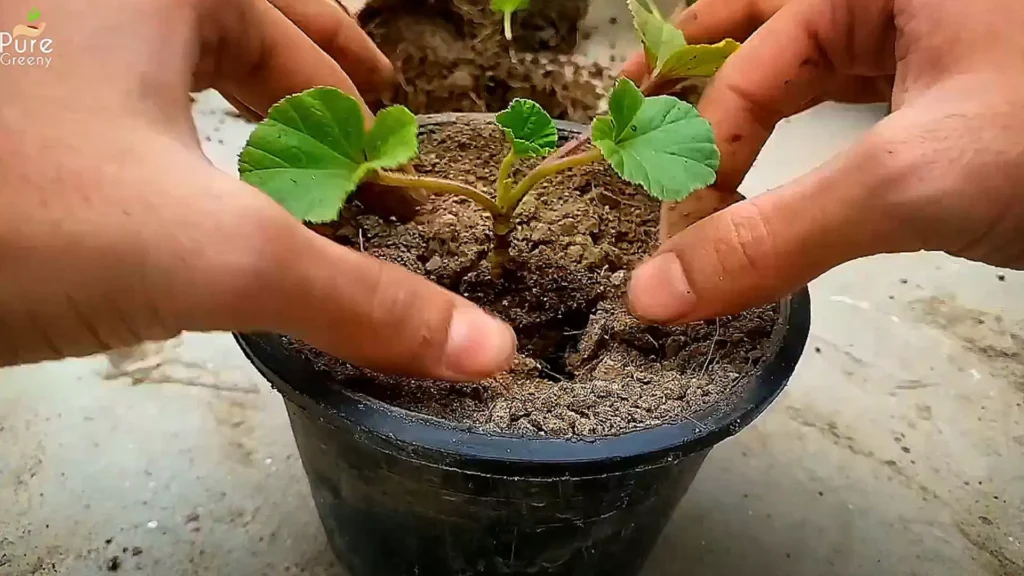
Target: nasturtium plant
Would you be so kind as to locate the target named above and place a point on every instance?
(669, 55)
(506, 8)
(313, 150)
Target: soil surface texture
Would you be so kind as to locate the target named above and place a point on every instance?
(452, 56)
(586, 367)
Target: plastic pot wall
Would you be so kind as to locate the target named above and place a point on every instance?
(401, 494)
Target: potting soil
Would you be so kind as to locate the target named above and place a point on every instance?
(586, 367)
(452, 56)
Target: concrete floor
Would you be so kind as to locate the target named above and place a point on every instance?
(897, 448)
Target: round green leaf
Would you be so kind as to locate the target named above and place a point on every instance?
(311, 151)
(667, 148)
(529, 128)
(392, 142)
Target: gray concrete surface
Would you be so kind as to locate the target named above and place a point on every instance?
(897, 448)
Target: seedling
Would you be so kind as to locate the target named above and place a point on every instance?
(669, 56)
(506, 8)
(312, 151)
(671, 60)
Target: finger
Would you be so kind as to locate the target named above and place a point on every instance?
(272, 274)
(330, 26)
(759, 250)
(260, 56)
(788, 64)
(711, 22)
(861, 89)
(635, 68)
(380, 316)
(678, 216)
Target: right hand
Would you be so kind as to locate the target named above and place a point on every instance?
(945, 171)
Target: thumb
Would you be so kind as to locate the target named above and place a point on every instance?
(760, 250)
(374, 314)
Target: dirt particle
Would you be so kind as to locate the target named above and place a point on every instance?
(736, 138)
(986, 520)
(1001, 277)
(903, 281)
(613, 20)
(114, 564)
(905, 449)
(136, 551)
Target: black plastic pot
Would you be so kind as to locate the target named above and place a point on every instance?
(401, 494)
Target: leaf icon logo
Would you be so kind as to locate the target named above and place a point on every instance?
(33, 15)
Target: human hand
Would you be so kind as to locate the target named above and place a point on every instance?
(945, 171)
(115, 229)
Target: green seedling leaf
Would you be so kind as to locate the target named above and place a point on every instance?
(507, 8)
(392, 141)
(668, 53)
(529, 128)
(625, 101)
(697, 60)
(660, 38)
(34, 15)
(664, 145)
(312, 151)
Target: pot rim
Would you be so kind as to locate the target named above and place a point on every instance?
(493, 453)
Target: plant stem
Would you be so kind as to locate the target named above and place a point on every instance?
(503, 175)
(501, 251)
(545, 171)
(508, 26)
(438, 185)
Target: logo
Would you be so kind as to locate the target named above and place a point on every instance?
(25, 44)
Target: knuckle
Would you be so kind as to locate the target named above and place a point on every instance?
(745, 244)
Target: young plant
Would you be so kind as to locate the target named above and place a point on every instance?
(671, 61)
(312, 151)
(669, 57)
(507, 8)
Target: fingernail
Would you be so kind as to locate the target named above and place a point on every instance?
(479, 345)
(658, 291)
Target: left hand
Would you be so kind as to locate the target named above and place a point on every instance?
(115, 229)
